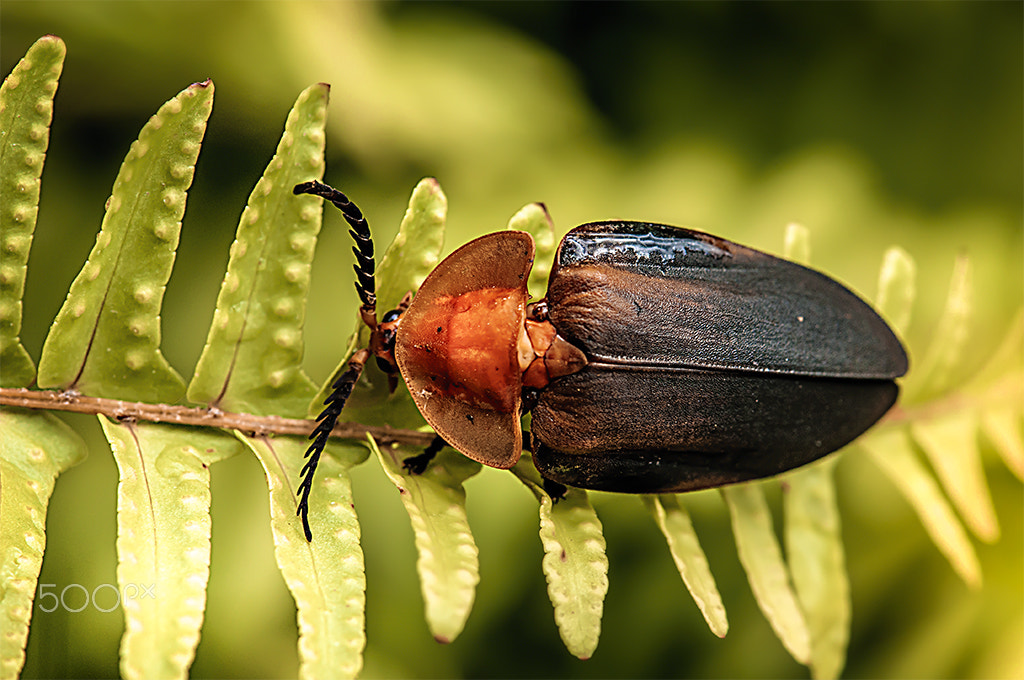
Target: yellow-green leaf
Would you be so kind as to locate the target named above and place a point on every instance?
(797, 243)
(575, 562)
(163, 541)
(674, 521)
(416, 249)
(34, 449)
(26, 109)
(761, 557)
(935, 371)
(326, 576)
(951, 443)
(897, 288)
(535, 220)
(1003, 428)
(892, 451)
(252, 361)
(1000, 386)
(448, 565)
(105, 340)
(411, 256)
(1004, 365)
(814, 548)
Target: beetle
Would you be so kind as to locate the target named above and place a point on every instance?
(662, 359)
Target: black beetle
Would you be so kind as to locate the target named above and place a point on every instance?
(661, 359)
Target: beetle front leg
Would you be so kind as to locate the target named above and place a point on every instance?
(417, 464)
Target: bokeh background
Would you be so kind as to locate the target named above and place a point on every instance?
(871, 123)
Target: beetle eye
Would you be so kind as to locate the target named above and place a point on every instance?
(393, 315)
(389, 339)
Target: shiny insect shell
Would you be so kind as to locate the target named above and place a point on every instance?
(661, 359)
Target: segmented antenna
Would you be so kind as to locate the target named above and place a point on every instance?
(342, 387)
(360, 232)
(328, 418)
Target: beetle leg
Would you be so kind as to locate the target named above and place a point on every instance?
(417, 464)
(554, 489)
(327, 419)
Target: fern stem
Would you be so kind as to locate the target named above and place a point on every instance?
(200, 417)
(1005, 390)
(260, 425)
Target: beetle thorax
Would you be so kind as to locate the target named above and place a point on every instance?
(480, 348)
(466, 347)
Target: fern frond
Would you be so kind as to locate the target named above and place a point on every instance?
(105, 342)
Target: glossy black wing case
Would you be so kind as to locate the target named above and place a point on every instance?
(709, 362)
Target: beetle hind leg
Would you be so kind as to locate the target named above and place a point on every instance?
(554, 489)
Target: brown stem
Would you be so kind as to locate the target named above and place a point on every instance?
(202, 417)
(1006, 390)
(261, 425)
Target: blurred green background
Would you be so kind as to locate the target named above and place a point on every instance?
(871, 123)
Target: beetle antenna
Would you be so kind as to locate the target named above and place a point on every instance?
(328, 418)
(342, 387)
(360, 232)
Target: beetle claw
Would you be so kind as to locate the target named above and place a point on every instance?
(417, 465)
